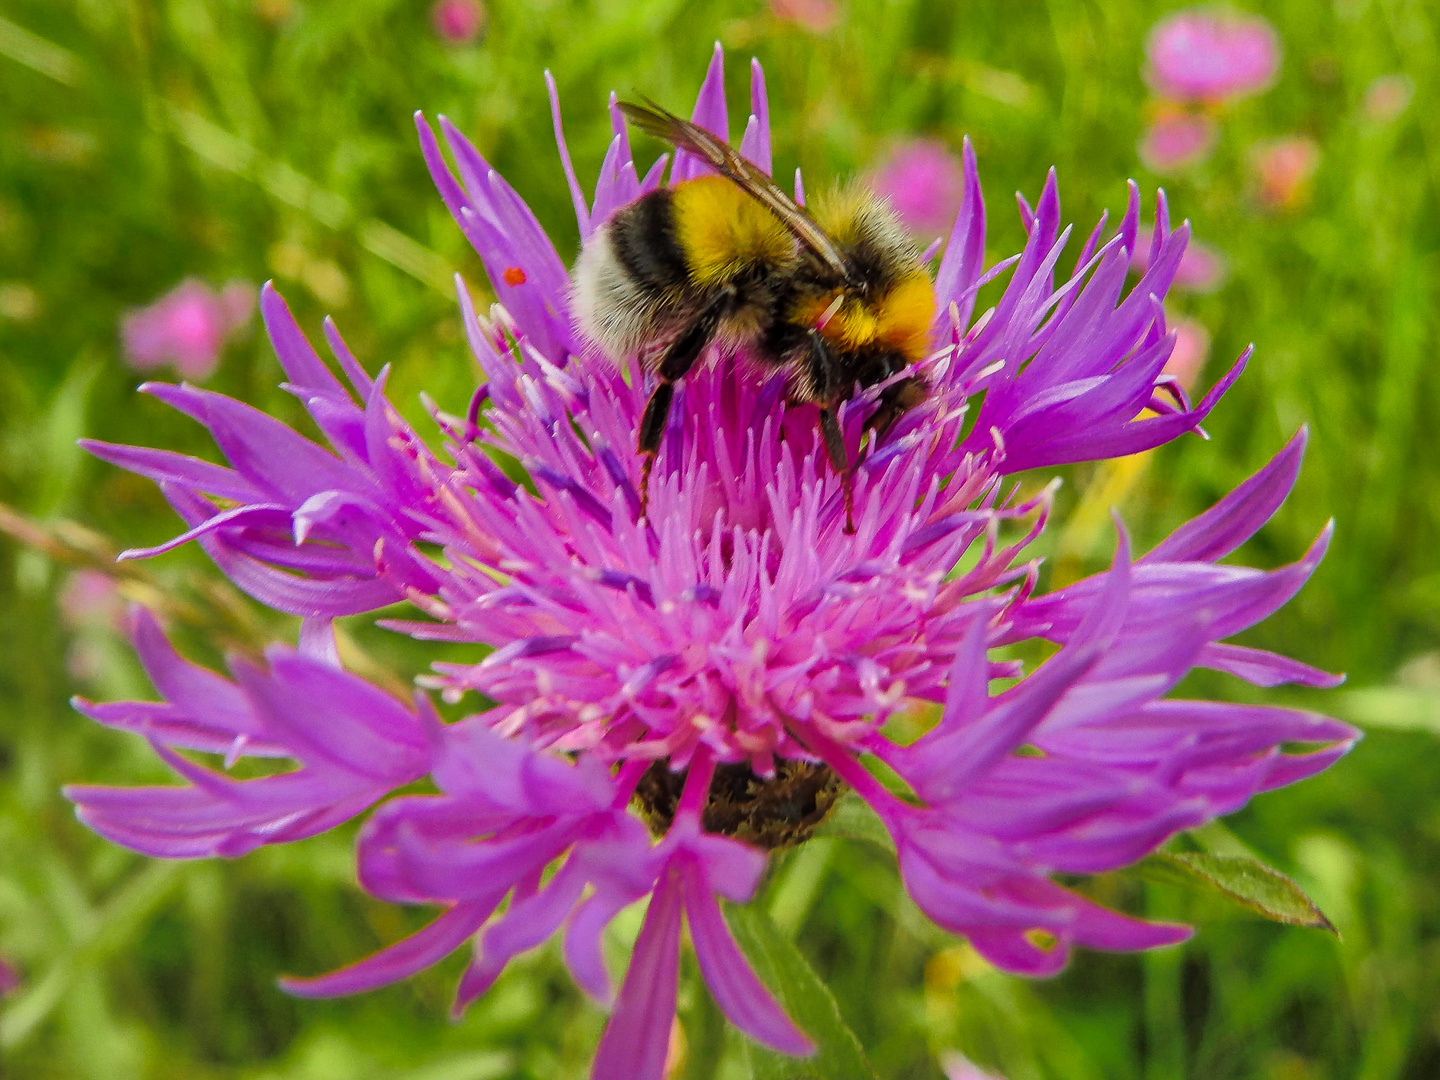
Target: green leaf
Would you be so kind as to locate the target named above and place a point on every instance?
(808, 1001)
(1242, 879)
(852, 819)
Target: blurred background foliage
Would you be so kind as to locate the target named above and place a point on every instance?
(144, 141)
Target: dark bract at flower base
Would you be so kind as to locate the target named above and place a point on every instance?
(673, 697)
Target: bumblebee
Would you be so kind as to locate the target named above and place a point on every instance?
(836, 301)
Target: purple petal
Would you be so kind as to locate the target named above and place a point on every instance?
(577, 197)
(584, 955)
(709, 114)
(201, 693)
(304, 368)
(741, 995)
(282, 591)
(331, 714)
(525, 925)
(1239, 515)
(756, 144)
(398, 961)
(964, 253)
(357, 375)
(637, 1037)
(261, 448)
(166, 467)
(1264, 668)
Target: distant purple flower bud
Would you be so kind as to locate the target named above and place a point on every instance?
(663, 701)
(1283, 169)
(1202, 269)
(186, 328)
(1211, 54)
(1177, 140)
(925, 184)
(458, 21)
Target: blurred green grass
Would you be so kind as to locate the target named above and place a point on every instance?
(144, 141)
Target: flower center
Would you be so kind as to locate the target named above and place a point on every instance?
(766, 812)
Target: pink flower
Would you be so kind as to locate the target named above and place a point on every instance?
(1192, 349)
(86, 661)
(9, 978)
(1283, 168)
(924, 183)
(90, 598)
(458, 21)
(1211, 55)
(1176, 141)
(959, 1067)
(186, 328)
(1389, 96)
(1202, 269)
(816, 16)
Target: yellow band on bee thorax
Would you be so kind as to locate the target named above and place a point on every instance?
(724, 231)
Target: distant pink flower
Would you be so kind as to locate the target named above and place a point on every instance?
(1177, 140)
(458, 21)
(959, 1067)
(1283, 168)
(9, 979)
(86, 660)
(90, 598)
(1210, 54)
(924, 183)
(815, 15)
(1192, 349)
(1389, 96)
(186, 328)
(1202, 269)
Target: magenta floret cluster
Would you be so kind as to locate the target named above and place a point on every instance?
(740, 627)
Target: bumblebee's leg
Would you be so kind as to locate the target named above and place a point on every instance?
(895, 402)
(679, 358)
(827, 379)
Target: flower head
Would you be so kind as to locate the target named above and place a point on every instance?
(959, 1067)
(186, 328)
(1192, 350)
(1388, 96)
(90, 598)
(1283, 169)
(1211, 54)
(817, 16)
(668, 698)
(458, 21)
(925, 184)
(1177, 140)
(1202, 269)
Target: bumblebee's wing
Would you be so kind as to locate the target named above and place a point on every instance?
(663, 124)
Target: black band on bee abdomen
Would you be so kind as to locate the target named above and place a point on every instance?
(644, 241)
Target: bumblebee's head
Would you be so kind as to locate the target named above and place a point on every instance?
(888, 303)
